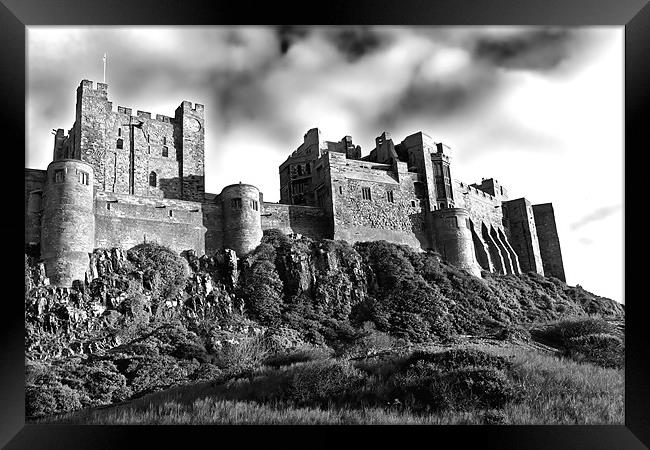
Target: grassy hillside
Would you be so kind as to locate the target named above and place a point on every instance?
(511, 385)
(298, 309)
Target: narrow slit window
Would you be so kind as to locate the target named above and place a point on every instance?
(340, 189)
(164, 140)
(119, 131)
(165, 151)
(153, 179)
(171, 213)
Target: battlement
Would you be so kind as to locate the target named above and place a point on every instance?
(88, 86)
(198, 108)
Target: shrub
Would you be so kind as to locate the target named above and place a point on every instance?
(243, 356)
(260, 286)
(152, 374)
(324, 382)
(288, 357)
(590, 340)
(50, 398)
(163, 271)
(456, 359)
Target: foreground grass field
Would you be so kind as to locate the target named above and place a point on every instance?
(539, 389)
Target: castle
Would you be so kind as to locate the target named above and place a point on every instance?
(118, 179)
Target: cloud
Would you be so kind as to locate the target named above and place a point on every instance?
(596, 215)
(537, 50)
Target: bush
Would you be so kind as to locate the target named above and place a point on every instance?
(243, 356)
(459, 379)
(260, 286)
(325, 382)
(456, 359)
(589, 340)
(163, 271)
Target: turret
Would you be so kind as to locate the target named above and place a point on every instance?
(453, 238)
(242, 222)
(442, 177)
(68, 222)
(190, 137)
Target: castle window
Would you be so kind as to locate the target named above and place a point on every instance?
(299, 170)
(365, 193)
(153, 179)
(413, 203)
(119, 131)
(59, 176)
(389, 196)
(235, 203)
(171, 213)
(341, 190)
(165, 151)
(308, 168)
(164, 140)
(501, 189)
(254, 205)
(467, 223)
(120, 143)
(108, 206)
(83, 178)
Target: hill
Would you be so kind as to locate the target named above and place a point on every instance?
(149, 319)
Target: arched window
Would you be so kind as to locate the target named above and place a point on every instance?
(153, 179)
(120, 143)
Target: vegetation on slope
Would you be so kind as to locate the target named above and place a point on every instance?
(154, 320)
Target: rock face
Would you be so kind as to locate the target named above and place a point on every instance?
(332, 276)
(326, 271)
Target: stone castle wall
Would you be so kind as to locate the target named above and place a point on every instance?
(549, 240)
(392, 211)
(124, 221)
(306, 220)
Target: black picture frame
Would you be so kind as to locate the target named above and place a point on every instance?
(16, 15)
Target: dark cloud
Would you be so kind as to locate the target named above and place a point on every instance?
(355, 43)
(542, 49)
(438, 100)
(596, 215)
(288, 34)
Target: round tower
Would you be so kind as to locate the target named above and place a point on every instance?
(68, 221)
(242, 222)
(453, 238)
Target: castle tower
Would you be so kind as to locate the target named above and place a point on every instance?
(189, 136)
(442, 177)
(68, 225)
(242, 222)
(453, 238)
(89, 141)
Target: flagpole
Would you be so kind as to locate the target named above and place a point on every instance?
(104, 68)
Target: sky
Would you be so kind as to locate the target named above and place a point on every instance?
(540, 109)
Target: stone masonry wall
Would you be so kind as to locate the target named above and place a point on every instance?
(149, 139)
(124, 221)
(523, 234)
(306, 220)
(549, 241)
(357, 219)
(34, 182)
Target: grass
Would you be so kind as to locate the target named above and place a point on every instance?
(552, 391)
